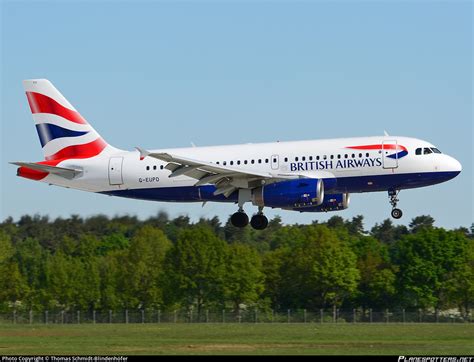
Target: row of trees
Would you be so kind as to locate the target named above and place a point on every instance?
(124, 263)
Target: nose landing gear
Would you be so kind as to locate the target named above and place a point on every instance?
(393, 195)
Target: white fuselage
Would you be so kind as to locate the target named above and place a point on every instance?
(356, 169)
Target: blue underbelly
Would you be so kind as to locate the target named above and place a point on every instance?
(344, 184)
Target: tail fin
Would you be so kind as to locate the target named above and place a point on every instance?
(62, 131)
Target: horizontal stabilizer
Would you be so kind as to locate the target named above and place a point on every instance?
(68, 173)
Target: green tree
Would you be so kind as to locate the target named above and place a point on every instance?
(142, 268)
(420, 222)
(244, 280)
(272, 269)
(115, 241)
(387, 233)
(62, 280)
(111, 297)
(32, 262)
(377, 275)
(356, 225)
(429, 262)
(12, 284)
(195, 269)
(320, 272)
(461, 289)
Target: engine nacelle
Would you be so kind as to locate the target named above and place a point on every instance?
(290, 194)
(331, 202)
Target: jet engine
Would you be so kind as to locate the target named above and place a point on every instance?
(300, 193)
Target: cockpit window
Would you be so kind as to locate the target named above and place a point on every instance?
(426, 150)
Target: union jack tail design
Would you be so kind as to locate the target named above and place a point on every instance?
(63, 132)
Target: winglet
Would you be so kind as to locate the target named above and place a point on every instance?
(143, 153)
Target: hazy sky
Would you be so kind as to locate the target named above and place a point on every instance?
(164, 74)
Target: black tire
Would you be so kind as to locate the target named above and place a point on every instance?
(259, 222)
(239, 219)
(397, 213)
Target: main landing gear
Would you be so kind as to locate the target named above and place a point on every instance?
(240, 219)
(393, 195)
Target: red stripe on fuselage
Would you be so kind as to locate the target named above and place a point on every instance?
(39, 103)
(379, 147)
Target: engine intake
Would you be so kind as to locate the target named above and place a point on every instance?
(301, 193)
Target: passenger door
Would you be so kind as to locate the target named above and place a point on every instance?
(390, 154)
(115, 171)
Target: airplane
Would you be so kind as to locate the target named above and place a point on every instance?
(304, 176)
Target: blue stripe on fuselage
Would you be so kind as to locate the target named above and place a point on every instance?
(174, 194)
(344, 184)
(359, 184)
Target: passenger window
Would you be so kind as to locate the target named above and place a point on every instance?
(148, 168)
(161, 167)
(317, 158)
(245, 162)
(252, 162)
(346, 156)
(266, 160)
(332, 157)
(296, 159)
(154, 167)
(286, 159)
(360, 155)
(311, 158)
(325, 157)
(418, 151)
(238, 162)
(259, 160)
(225, 163)
(367, 154)
(303, 158)
(353, 156)
(427, 151)
(338, 157)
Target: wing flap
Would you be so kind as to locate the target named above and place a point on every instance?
(226, 179)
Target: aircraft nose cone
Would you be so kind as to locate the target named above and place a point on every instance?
(454, 166)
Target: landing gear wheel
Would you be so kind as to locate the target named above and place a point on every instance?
(397, 213)
(259, 222)
(393, 196)
(239, 219)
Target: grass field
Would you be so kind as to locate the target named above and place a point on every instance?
(277, 339)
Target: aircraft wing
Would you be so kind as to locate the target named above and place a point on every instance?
(226, 179)
(68, 173)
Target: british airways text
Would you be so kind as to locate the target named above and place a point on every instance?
(329, 165)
